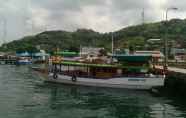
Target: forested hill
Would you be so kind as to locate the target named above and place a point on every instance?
(135, 36)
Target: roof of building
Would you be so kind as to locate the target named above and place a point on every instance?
(90, 50)
(178, 50)
(153, 53)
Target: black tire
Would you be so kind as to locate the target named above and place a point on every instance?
(74, 79)
(55, 76)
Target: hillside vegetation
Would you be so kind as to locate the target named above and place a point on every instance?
(135, 36)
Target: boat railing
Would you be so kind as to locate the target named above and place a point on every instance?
(87, 75)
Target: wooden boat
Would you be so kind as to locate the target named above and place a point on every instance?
(131, 71)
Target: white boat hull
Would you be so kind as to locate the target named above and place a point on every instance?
(123, 82)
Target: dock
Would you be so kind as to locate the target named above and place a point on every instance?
(175, 82)
(177, 70)
(8, 61)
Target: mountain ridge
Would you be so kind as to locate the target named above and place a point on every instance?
(135, 36)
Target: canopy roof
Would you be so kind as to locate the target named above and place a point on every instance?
(133, 58)
(87, 64)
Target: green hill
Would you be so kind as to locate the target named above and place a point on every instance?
(135, 36)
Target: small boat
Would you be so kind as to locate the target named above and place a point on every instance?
(131, 72)
(23, 61)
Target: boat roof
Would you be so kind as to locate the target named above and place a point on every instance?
(80, 64)
(67, 53)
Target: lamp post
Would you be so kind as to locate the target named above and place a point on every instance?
(165, 38)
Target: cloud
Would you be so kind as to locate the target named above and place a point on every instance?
(103, 16)
(26, 17)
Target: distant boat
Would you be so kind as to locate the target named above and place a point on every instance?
(131, 71)
(23, 61)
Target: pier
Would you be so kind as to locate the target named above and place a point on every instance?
(8, 60)
(175, 82)
(177, 70)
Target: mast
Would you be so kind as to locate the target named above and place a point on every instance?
(4, 30)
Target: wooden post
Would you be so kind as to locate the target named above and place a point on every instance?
(60, 68)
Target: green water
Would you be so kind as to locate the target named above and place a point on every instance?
(24, 95)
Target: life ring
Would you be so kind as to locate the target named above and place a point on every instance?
(55, 76)
(74, 79)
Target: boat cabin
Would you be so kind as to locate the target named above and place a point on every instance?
(79, 69)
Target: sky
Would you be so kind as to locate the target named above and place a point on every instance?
(20, 18)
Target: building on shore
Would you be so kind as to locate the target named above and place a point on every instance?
(178, 54)
(90, 51)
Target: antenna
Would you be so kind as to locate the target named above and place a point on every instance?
(30, 18)
(143, 16)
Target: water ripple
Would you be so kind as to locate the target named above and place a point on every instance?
(24, 95)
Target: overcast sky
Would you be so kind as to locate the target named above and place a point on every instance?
(25, 17)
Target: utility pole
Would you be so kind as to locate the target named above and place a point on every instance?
(112, 44)
(80, 50)
(165, 38)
